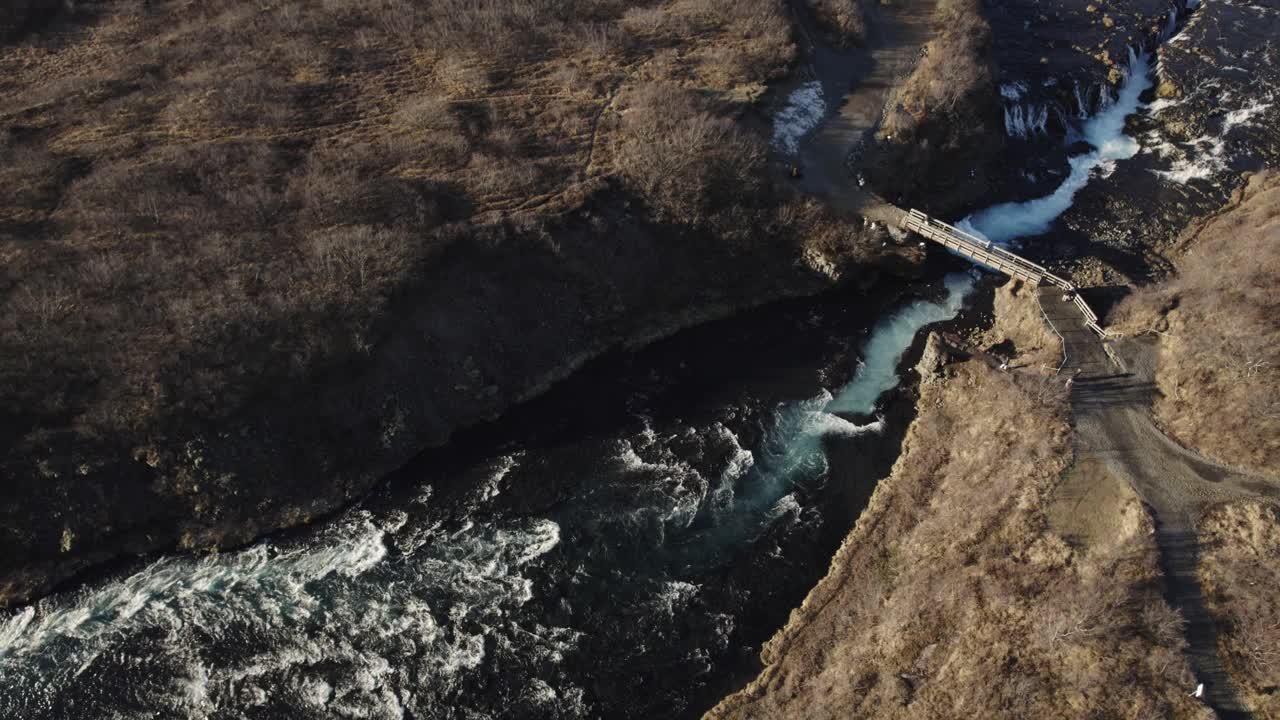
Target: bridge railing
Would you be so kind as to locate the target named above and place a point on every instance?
(980, 249)
(997, 258)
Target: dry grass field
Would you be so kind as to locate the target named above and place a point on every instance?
(1240, 571)
(199, 194)
(1218, 321)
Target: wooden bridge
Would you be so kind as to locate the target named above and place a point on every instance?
(990, 255)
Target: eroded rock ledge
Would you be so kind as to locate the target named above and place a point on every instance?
(972, 562)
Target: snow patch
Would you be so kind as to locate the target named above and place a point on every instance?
(804, 110)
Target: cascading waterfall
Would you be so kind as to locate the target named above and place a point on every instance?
(1063, 120)
(1104, 131)
(1171, 26)
(1025, 120)
(1022, 119)
(1082, 105)
(1106, 98)
(793, 450)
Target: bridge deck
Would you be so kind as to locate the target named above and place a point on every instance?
(990, 255)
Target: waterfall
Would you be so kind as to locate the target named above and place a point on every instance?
(1025, 119)
(1063, 120)
(1105, 98)
(1082, 105)
(1013, 91)
(1104, 131)
(1171, 26)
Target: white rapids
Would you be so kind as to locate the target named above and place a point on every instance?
(332, 622)
(428, 605)
(1105, 132)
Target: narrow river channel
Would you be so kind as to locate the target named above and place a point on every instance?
(619, 548)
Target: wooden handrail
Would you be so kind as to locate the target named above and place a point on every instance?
(987, 253)
(983, 250)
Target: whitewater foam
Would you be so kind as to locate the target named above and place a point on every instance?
(792, 451)
(1104, 131)
(740, 461)
(787, 505)
(673, 596)
(1013, 91)
(672, 490)
(330, 636)
(491, 486)
(1206, 156)
(396, 613)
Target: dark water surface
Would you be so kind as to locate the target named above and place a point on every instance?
(618, 548)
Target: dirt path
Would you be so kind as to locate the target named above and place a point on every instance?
(1115, 432)
(859, 83)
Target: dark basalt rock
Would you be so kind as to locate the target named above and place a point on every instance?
(1065, 51)
(1064, 59)
(1215, 116)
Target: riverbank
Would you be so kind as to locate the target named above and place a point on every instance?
(617, 547)
(1214, 324)
(975, 554)
(246, 275)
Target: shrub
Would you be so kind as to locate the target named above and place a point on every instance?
(688, 162)
(1238, 568)
(844, 20)
(354, 265)
(645, 20)
(954, 66)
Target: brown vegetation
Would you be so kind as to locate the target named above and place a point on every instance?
(1218, 321)
(1022, 331)
(1240, 571)
(258, 196)
(953, 68)
(956, 596)
(844, 21)
(214, 205)
(943, 121)
(233, 233)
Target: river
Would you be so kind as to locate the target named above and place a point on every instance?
(619, 548)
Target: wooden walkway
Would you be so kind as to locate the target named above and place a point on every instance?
(990, 255)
